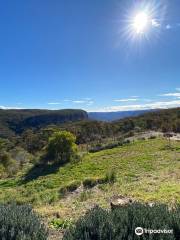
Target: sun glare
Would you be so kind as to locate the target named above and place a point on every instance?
(140, 22)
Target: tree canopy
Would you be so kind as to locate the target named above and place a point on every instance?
(61, 147)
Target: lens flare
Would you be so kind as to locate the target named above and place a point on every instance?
(140, 22)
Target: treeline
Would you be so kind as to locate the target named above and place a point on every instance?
(167, 120)
(161, 120)
(23, 148)
(34, 136)
(13, 122)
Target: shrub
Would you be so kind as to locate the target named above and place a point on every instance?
(129, 134)
(105, 147)
(5, 159)
(84, 196)
(20, 223)
(127, 141)
(110, 177)
(72, 186)
(9, 164)
(91, 182)
(21, 156)
(60, 223)
(120, 224)
(142, 138)
(61, 147)
(152, 137)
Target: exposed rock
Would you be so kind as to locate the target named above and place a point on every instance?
(119, 201)
(151, 204)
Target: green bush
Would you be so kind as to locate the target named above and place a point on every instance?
(60, 223)
(61, 147)
(110, 177)
(98, 148)
(153, 137)
(120, 224)
(92, 182)
(72, 186)
(10, 165)
(20, 223)
(84, 196)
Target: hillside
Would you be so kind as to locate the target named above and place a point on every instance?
(167, 120)
(24, 123)
(163, 120)
(15, 121)
(146, 170)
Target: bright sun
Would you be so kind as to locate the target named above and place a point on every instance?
(140, 22)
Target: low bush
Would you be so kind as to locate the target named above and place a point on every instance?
(72, 186)
(98, 148)
(110, 177)
(20, 223)
(129, 134)
(142, 138)
(127, 141)
(90, 182)
(60, 223)
(120, 224)
(84, 196)
(152, 137)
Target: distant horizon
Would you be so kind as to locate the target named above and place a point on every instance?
(147, 109)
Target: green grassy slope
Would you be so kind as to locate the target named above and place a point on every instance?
(146, 170)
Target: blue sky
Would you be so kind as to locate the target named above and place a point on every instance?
(84, 54)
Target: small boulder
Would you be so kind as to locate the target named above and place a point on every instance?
(119, 201)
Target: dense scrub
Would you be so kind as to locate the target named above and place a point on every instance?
(16, 121)
(12, 159)
(20, 223)
(34, 127)
(100, 147)
(161, 120)
(120, 224)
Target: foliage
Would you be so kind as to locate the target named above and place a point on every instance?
(61, 147)
(72, 186)
(120, 224)
(100, 147)
(13, 161)
(161, 120)
(91, 182)
(20, 223)
(111, 145)
(5, 159)
(140, 168)
(8, 165)
(61, 224)
(20, 126)
(84, 196)
(15, 121)
(110, 176)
